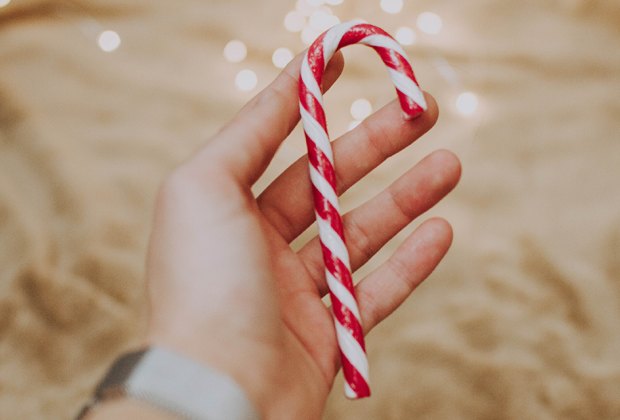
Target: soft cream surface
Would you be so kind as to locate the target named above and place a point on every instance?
(521, 321)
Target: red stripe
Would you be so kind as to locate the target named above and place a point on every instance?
(369, 29)
(321, 162)
(316, 60)
(359, 32)
(410, 107)
(337, 268)
(327, 212)
(355, 380)
(394, 60)
(312, 105)
(341, 312)
(348, 320)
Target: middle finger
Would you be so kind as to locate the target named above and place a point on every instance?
(287, 202)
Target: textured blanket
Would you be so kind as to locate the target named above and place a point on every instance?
(521, 321)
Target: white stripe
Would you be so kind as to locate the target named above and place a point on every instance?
(342, 293)
(324, 188)
(408, 87)
(352, 349)
(308, 79)
(333, 36)
(316, 132)
(378, 40)
(348, 391)
(332, 241)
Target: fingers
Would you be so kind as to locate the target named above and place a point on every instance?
(372, 225)
(287, 202)
(386, 288)
(246, 145)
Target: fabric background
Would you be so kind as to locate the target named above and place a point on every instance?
(520, 320)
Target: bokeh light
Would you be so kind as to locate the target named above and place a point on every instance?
(281, 57)
(4, 3)
(108, 41)
(361, 108)
(334, 2)
(309, 34)
(305, 8)
(246, 80)
(391, 6)
(321, 20)
(467, 103)
(294, 21)
(235, 51)
(429, 23)
(405, 35)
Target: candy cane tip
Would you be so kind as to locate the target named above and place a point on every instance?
(408, 115)
(352, 395)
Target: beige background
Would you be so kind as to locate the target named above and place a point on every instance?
(520, 321)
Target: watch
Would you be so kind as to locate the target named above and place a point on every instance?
(174, 383)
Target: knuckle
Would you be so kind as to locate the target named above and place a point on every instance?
(279, 219)
(368, 307)
(360, 240)
(372, 138)
(400, 271)
(404, 204)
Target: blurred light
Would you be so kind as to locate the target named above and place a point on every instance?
(246, 80)
(235, 51)
(281, 57)
(405, 35)
(108, 41)
(322, 20)
(304, 7)
(361, 108)
(467, 103)
(294, 21)
(430, 23)
(392, 6)
(334, 2)
(315, 3)
(309, 34)
(4, 3)
(353, 124)
(446, 70)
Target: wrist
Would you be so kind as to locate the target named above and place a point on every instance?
(224, 358)
(269, 381)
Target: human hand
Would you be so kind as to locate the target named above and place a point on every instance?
(225, 288)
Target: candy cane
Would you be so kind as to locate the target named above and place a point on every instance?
(335, 255)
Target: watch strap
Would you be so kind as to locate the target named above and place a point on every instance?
(175, 383)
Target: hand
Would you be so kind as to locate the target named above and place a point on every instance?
(225, 287)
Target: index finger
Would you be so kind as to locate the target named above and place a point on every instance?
(247, 144)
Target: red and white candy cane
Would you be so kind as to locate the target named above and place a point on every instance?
(347, 318)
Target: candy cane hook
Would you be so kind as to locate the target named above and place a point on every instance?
(347, 318)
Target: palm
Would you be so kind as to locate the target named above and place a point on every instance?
(304, 314)
(236, 277)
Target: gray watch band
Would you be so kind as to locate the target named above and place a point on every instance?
(174, 383)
